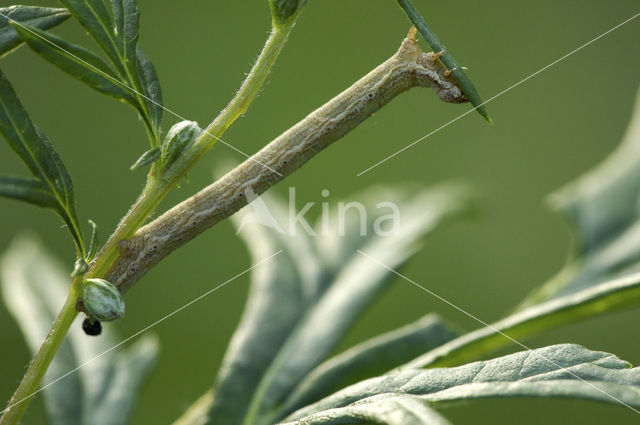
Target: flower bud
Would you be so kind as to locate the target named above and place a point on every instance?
(177, 139)
(283, 11)
(102, 300)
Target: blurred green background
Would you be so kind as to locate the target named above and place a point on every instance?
(547, 131)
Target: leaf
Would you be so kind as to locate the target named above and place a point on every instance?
(320, 303)
(370, 358)
(103, 389)
(96, 19)
(602, 206)
(280, 291)
(458, 72)
(32, 191)
(93, 244)
(198, 412)
(151, 87)
(39, 156)
(603, 277)
(619, 294)
(34, 16)
(566, 370)
(76, 61)
(147, 158)
(127, 29)
(390, 410)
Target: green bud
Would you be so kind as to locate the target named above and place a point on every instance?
(79, 268)
(283, 11)
(177, 139)
(102, 300)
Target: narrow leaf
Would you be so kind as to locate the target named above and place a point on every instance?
(458, 72)
(127, 28)
(34, 16)
(96, 19)
(39, 156)
(368, 359)
(147, 158)
(93, 244)
(566, 370)
(354, 287)
(385, 409)
(602, 208)
(104, 385)
(151, 87)
(280, 292)
(291, 329)
(76, 61)
(32, 191)
(616, 295)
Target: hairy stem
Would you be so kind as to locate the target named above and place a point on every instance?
(408, 68)
(155, 190)
(31, 380)
(238, 106)
(158, 186)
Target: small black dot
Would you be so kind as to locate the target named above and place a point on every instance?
(93, 329)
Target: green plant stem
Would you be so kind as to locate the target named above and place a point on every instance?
(155, 190)
(158, 186)
(238, 105)
(31, 380)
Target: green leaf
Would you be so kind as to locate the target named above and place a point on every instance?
(115, 29)
(94, 16)
(147, 158)
(39, 156)
(34, 16)
(76, 61)
(280, 291)
(286, 333)
(127, 29)
(151, 87)
(103, 389)
(368, 359)
(603, 277)
(93, 244)
(602, 206)
(458, 72)
(32, 191)
(606, 297)
(566, 371)
(384, 409)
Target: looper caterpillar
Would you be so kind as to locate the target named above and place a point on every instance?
(408, 67)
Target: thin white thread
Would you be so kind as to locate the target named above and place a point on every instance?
(140, 332)
(115, 80)
(500, 94)
(493, 328)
